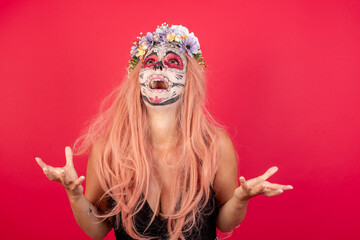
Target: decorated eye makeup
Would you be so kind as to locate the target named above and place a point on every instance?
(172, 60)
(150, 60)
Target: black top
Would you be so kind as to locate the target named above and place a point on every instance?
(204, 229)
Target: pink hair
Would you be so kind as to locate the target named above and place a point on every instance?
(120, 137)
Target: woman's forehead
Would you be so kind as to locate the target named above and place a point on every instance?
(162, 50)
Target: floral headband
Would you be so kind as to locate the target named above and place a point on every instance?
(176, 34)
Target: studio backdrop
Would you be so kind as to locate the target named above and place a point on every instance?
(283, 77)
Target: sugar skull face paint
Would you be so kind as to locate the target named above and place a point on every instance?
(163, 75)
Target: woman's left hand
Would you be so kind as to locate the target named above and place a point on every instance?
(259, 185)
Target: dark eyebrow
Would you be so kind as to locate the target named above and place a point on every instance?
(172, 53)
(153, 53)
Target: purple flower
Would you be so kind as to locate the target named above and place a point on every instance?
(162, 38)
(162, 32)
(133, 51)
(189, 45)
(148, 39)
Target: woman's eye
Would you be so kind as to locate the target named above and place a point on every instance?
(174, 61)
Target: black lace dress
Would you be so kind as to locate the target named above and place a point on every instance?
(204, 229)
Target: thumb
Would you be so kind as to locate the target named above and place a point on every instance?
(69, 156)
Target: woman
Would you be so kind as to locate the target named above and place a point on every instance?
(159, 166)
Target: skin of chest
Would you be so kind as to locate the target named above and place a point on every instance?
(160, 191)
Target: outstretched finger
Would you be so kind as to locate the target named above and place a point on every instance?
(269, 172)
(272, 193)
(77, 183)
(69, 156)
(275, 186)
(47, 169)
(243, 183)
(53, 174)
(40, 162)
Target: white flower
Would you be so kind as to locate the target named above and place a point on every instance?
(161, 29)
(180, 30)
(177, 38)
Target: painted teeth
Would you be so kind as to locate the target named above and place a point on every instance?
(157, 90)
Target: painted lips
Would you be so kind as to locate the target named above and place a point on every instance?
(158, 83)
(156, 99)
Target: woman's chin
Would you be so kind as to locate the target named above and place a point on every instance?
(160, 101)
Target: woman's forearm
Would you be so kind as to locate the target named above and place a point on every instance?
(84, 215)
(84, 211)
(231, 214)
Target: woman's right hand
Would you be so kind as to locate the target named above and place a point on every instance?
(67, 175)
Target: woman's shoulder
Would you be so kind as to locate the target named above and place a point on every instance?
(226, 177)
(225, 142)
(93, 189)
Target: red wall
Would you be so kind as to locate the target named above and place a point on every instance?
(283, 77)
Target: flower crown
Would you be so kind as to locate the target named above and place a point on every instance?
(176, 34)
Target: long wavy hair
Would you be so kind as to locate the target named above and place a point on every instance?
(121, 144)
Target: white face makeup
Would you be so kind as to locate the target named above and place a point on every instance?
(163, 75)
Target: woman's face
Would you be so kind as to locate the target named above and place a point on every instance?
(163, 75)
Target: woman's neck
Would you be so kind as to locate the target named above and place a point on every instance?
(163, 124)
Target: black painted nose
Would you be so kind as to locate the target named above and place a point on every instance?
(159, 65)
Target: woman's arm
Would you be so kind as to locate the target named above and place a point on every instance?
(233, 200)
(83, 206)
(231, 212)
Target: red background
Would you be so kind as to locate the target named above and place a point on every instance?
(283, 77)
